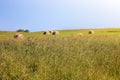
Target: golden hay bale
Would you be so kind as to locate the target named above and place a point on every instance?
(46, 32)
(51, 32)
(19, 36)
(91, 32)
(55, 33)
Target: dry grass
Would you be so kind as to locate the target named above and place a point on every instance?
(88, 57)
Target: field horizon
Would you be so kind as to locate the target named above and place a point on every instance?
(70, 29)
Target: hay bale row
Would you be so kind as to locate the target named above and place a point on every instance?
(21, 36)
(46, 32)
(51, 32)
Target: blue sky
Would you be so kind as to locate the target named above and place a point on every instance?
(38, 15)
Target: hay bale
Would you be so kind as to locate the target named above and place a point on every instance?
(51, 32)
(91, 32)
(19, 36)
(55, 33)
(46, 33)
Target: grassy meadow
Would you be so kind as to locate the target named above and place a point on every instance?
(68, 56)
(107, 31)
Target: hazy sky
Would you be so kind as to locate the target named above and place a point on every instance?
(37, 15)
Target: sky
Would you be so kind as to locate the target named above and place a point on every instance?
(39, 15)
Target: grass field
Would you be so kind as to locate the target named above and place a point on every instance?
(67, 56)
(5, 34)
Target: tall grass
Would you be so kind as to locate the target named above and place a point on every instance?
(90, 57)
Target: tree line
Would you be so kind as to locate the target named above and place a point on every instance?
(22, 30)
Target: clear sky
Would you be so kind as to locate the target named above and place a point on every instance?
(37, 15)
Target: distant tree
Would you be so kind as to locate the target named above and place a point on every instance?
(26, 30)
(20, 30)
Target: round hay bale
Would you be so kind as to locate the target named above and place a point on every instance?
(51, 32)
(19, 36)
(91, 32)
(46, 33)
(55, 33)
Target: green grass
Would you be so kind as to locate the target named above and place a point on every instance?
(4, 34)
(70, 57)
